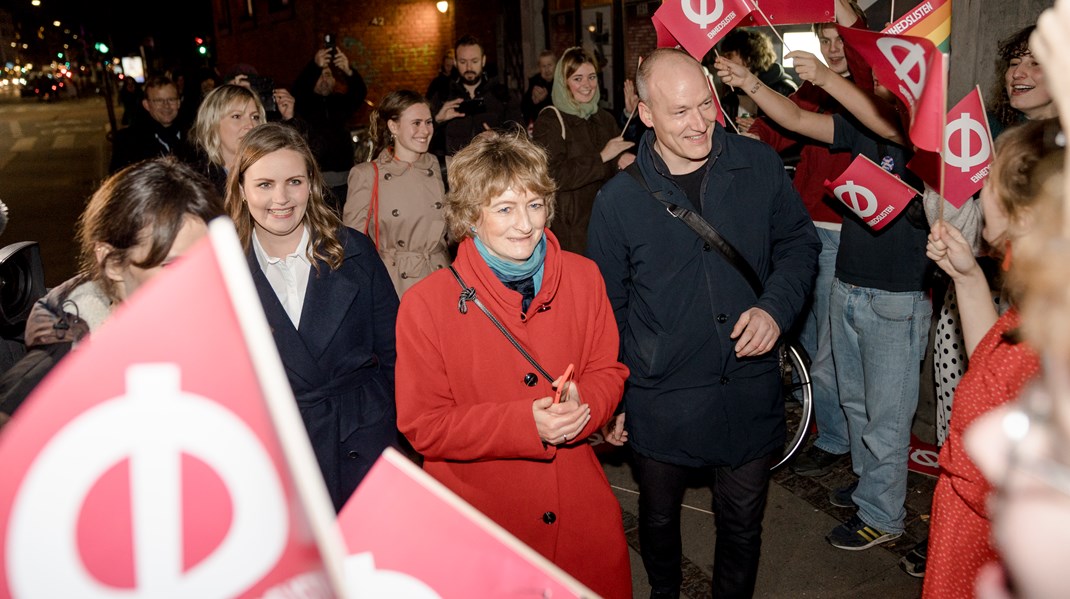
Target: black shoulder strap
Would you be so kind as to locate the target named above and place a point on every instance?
(468, 294)
(704, 229)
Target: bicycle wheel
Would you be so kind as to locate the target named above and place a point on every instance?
(798, 401)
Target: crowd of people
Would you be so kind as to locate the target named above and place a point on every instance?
(502, 280)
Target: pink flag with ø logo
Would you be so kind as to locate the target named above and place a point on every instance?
(875, 195)
(912, 69)
(967, 152)
(409, 536)
(699, 24)
(165, 457)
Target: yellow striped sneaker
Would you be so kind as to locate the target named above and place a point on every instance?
(856, 535)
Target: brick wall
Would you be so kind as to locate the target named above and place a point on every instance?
(394, 44)
(639, 35)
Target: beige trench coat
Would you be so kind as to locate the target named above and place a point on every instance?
(411, 234)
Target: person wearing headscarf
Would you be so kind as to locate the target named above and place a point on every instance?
(583, 142)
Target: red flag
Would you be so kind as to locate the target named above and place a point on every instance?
(410, 536)
(665, 38)
(912, 69)
(967, 151)
(699, 29)
(790, 12)
(165, 456)
(874, 194)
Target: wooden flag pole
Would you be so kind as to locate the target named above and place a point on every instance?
(636, 108)
(775, 32)
(943, 143)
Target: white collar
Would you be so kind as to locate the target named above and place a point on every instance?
(300, 252)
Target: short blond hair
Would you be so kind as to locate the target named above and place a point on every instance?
(205, 131)
(484, 169)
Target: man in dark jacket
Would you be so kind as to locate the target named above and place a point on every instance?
(704, 389)
(161, 135)
(471, 104)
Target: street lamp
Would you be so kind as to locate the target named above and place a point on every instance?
(442, 6)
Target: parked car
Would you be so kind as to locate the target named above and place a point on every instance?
(43, 87)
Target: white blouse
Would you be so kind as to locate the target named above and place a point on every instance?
(288, 276)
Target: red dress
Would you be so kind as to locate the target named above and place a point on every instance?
(960, 531)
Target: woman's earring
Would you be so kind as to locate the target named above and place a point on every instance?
(472, 229)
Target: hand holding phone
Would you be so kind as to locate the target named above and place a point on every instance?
(566, 379)
(472, 106)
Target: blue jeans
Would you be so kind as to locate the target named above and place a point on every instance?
(816, 339)
(878, 338)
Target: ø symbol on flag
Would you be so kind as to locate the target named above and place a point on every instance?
(852, 195)
(913, 59)
(966, 127)
(152, 425)
(702, 18)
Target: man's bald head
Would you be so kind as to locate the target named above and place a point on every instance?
(663, 60)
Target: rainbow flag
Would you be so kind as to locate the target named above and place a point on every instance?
(931, 20)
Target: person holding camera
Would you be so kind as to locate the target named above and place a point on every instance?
(278, 102)
(329, 92)
(471, 104)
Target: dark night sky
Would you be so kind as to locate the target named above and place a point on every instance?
(124, 24)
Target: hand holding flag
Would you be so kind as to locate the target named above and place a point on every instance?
(872, 193)
(698, 29)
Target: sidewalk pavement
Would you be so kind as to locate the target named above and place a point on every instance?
(797, 562)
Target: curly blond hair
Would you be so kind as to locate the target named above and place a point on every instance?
(492, 163)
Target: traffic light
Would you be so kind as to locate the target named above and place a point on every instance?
(101, 47)
(202, 49)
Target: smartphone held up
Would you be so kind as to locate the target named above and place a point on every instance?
(566, 380)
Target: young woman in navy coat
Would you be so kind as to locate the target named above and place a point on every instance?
(328, 299)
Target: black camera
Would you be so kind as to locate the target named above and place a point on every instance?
(473, 106)
(265, 88)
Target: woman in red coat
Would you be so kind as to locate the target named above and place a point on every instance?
(1000, 366)
(482, 415)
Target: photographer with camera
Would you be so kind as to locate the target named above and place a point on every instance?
(329, 92)
(472, 104)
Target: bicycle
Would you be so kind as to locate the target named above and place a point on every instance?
(798, 401)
